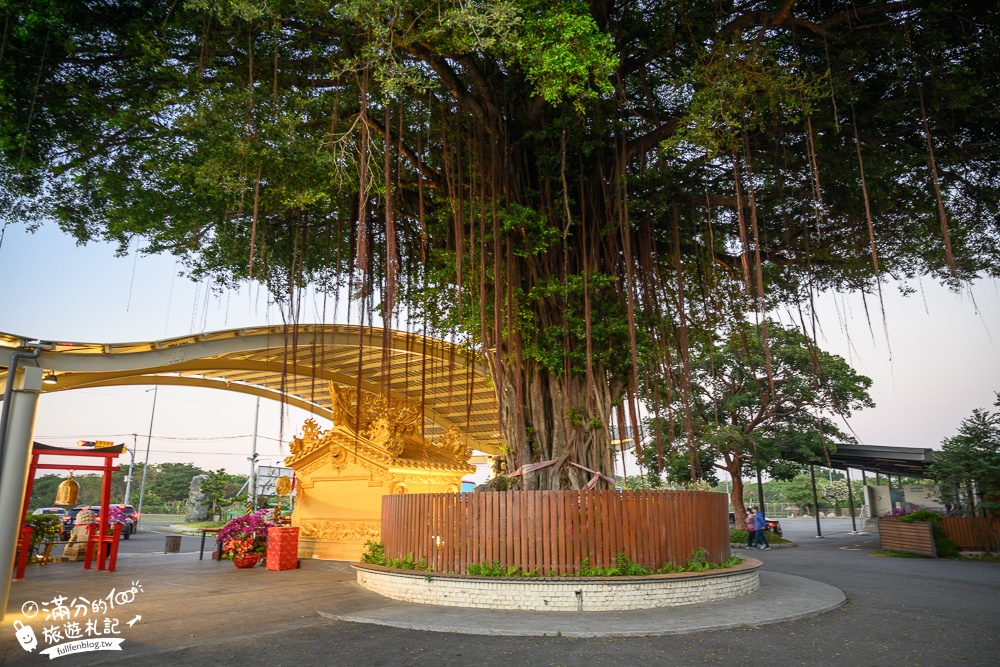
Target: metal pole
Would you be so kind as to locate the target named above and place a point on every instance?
(850, 500)
(145, 466)
(760, 493)
(253, 458)
(812, 474)
(131, 464)
(8, 395)
(20, 405)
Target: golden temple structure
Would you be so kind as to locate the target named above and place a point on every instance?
(371, 451)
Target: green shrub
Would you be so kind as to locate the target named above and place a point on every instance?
(374, 553)
(407, 563)
(698, 562)
(47, 527)
(739, 536)
(946, 547)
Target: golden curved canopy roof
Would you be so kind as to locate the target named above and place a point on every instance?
(293, 364)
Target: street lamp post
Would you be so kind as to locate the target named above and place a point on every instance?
(253, 460)
(145, 466)
(131, 465)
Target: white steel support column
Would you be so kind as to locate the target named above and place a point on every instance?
(14, 475)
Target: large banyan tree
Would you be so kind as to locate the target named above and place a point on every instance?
(570, 188)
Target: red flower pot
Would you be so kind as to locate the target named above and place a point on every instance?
(248, 561)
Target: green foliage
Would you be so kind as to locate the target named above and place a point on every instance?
(971, 460)
(732, 561)
(523, 148)
(47, 527)
(374, 553)
(945, 546)
(495, 569)
(698, 562)
(741, 425)
(894, 554)
(407, 563)
(533, 232)
(743, 86)
(740, 536)
(564, 54)
(221, 490)
(626, 568)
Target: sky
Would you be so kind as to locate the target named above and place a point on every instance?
(940, 361)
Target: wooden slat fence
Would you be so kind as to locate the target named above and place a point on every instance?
(554, 531)
(911, 538)
(977, 533)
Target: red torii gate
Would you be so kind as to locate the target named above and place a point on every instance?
(107, 546)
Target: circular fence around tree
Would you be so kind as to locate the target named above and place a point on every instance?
(552, 532)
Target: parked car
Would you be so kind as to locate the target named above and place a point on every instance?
(131, 518)
(62, 513)
(123, 514)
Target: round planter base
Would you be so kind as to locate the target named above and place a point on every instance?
(562, 593)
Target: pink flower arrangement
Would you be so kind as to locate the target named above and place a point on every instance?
(115, 515)
(245, 536)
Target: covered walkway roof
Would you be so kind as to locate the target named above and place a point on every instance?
(294, 364)
(908, 461)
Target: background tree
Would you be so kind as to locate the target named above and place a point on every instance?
(564, 186)
(760, 407)
(970, 462)
(222, 489)
(173, 481)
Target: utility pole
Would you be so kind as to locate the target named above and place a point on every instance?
(131, 465)
(145, 466)
(253, 459)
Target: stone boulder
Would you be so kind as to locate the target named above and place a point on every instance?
(197, 503)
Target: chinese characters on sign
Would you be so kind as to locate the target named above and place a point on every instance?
(77, 625)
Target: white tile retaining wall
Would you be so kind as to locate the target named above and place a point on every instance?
(562, 593)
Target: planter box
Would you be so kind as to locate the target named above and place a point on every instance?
(282, 548)
(912, 538)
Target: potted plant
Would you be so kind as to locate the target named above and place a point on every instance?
(244, 539)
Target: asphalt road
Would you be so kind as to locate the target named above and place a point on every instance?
(899, 612)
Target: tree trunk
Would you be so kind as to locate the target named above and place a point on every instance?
(734, 466)
(736, 497)
(553, 426)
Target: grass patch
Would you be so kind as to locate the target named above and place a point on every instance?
(624, 567)
(887, 553)
(739, 536)
(204, 524)
(175, 518)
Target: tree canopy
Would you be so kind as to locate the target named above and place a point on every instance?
(754, 408)
(566, 186)
(969, 463)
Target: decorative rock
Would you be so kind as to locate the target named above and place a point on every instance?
(197, 503)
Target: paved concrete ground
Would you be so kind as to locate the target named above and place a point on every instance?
(898, 612)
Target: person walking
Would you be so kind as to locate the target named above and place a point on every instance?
(759, 524)
(751, 531)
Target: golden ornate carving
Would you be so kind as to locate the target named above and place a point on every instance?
(385, 421)
(302, 471)
(340, 531)
(312, 438)
(455, 480)
(453, 444)
(283, 485)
